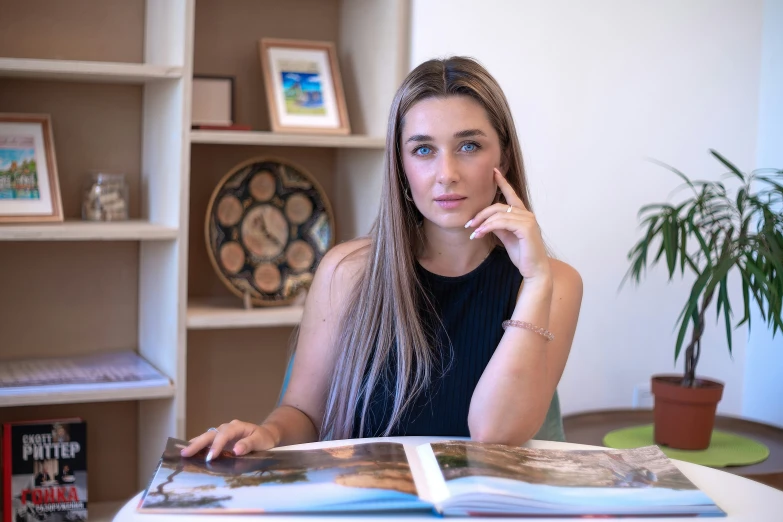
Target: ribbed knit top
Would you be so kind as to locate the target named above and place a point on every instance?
(471, 309)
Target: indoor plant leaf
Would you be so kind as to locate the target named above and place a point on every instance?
(743, 233)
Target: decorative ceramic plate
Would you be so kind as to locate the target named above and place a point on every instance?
(269, 224)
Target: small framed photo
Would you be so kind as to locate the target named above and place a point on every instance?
(304, 90)
(212, 101)
(29, 187)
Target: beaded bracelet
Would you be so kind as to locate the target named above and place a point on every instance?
(537, 329)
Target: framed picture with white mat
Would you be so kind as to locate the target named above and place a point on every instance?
(304, 88)
(29, 187)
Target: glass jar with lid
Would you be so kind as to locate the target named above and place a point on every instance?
(105, 197)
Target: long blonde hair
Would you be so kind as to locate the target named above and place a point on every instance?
(381, 318)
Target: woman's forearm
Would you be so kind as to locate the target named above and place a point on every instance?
(513, 395)
(289, 425)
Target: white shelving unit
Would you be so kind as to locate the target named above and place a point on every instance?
(133, 60)
(249, 348)
(152, 88)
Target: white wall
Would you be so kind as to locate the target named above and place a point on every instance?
(596, 87)
(763, 397)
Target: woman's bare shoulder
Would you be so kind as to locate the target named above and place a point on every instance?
(346, 261)
(334, 281)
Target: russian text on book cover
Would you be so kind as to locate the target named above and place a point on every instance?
(45, 471)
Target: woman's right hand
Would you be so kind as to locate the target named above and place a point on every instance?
(244, 436)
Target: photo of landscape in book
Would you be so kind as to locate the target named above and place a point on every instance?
(346, 478)
(636, 477)
(642, 467)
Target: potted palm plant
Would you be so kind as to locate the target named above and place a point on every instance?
(711, 234)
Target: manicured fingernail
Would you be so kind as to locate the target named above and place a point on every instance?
(468, 223)
(209, 456)
(473, 234)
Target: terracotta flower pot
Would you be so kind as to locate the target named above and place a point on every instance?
(684, 417)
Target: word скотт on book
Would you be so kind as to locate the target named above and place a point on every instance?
(45, 471)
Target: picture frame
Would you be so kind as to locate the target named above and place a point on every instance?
(304, 88)
(212, 101)
(29, 185)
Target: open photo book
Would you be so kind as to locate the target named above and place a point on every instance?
(459, 477)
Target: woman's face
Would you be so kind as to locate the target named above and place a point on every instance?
(449, 149)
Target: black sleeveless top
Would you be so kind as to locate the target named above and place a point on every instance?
(471, 309)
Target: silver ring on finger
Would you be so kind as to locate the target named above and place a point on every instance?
(213, 429)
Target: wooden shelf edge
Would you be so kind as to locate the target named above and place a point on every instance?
(290, 140)
(205, 314)
(69, 393)
(133, 230)
(106, 72)
(134, 378)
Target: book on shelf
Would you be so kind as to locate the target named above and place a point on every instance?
(45, 470)
(450, 478)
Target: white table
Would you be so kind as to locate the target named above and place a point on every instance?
(744, 500)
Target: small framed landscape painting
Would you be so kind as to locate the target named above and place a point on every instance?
(304, 89)
(29, 188)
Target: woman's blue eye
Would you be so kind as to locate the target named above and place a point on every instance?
(422, 151)
(470, 147)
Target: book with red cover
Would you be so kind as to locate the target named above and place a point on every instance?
(45, 470)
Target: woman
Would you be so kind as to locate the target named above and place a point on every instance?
(402, 332)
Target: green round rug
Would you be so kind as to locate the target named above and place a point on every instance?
(726, 449)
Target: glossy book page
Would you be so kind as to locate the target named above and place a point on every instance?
(492, 479)
(362, 477)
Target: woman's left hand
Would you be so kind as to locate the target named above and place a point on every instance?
(517, 229)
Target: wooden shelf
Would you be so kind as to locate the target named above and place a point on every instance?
(87, 231)
(148, 383)
(204, 314)
(288, 140)
(71, 393)
(99, 72)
